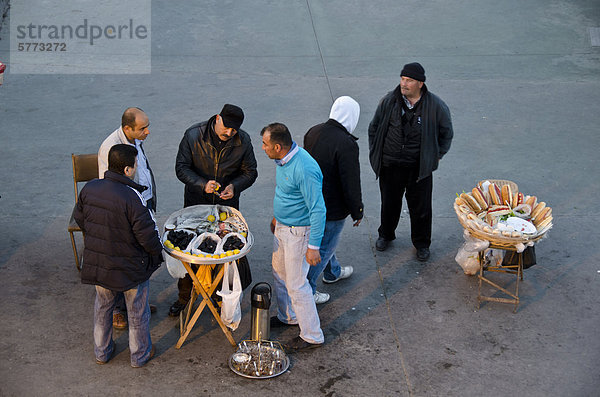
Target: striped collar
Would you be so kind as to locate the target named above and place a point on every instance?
(293, 150)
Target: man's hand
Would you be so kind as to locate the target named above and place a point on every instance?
(227, 193)
(357, 222)
(313, 257)
(273, 225)
(212, 186)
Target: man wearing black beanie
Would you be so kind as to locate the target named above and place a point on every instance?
(410, 132)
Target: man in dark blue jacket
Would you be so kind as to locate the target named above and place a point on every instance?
(410, 132)
(122, 250)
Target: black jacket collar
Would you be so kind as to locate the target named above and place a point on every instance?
(398, 93)
(113, 176)
(336, 123)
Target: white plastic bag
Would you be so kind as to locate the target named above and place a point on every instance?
(468, 254)
(231, 310)
(473, 244)
(195, 243)
(221, 246)
(494, 257)
(468, 260)
(174, 266)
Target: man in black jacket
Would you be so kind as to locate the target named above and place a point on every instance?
(216, 163)
(334, 147)
(410, 132)
(122, 250)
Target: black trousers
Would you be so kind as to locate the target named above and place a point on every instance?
(396, 182)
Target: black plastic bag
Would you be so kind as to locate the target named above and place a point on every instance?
(511, 258)
(245, 274)
(243, 268)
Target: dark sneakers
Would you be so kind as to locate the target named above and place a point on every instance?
(298, 344)
(176, 308)
(382, 244)
(277, 323)
(422, 254)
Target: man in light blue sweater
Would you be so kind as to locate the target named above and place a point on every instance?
(298, 225)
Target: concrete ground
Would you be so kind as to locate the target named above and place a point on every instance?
(522, 80)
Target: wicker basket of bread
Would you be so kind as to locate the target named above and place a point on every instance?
(496, 211)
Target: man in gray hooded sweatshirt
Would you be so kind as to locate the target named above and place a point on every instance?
(334, 147)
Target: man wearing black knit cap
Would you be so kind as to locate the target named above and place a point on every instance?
(410, 132)
(216, 163)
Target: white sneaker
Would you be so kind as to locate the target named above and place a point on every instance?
(321, 297)
(345, 273)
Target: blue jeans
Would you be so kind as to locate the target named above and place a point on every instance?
(138, 315)
(329, 265)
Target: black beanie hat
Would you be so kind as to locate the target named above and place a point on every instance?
(232, 116)
(414, 71)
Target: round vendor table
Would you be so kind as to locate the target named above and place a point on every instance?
(185, 219)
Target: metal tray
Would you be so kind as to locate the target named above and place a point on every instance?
(267, 348)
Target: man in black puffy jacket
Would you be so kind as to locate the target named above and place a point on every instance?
(122, 250)
(216, 163)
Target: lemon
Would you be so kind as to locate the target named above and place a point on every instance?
(177, 249)
(229, 253)
(223, 216)
(211, 218)
(216, 256)
(200, 255)
(223, 255)
(236, 251)
(244, 234)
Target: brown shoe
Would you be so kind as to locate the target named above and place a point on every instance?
(100, 362)
(119, 321)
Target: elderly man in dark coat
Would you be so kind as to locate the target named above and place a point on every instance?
(408, 136)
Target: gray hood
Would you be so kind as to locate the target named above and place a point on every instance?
(345, 111)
